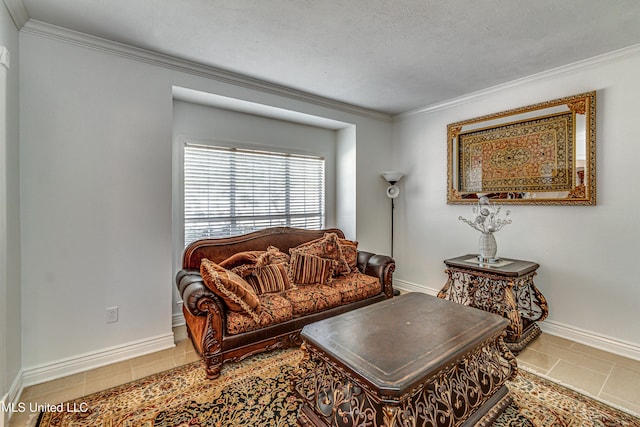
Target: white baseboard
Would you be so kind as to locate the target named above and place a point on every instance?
(87, 361)
(414, 287)
(10, 399)
(592, 339)
(177, 320)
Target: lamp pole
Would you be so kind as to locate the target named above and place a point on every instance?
(392, 192)
(392, 209)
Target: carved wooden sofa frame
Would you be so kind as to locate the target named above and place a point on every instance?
(205, 313)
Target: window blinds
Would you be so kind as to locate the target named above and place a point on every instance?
(231, 191)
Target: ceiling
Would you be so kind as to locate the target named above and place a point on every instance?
(390, 56)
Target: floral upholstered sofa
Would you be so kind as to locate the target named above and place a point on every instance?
(247, 294)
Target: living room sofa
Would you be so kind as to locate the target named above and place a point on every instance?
(234, 308)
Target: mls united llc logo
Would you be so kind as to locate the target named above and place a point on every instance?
(20, 407)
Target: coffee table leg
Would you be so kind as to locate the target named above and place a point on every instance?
(390, 414)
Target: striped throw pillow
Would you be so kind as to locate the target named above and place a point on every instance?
(271, 278)
(310, 269)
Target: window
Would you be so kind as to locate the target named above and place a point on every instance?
(231, 191)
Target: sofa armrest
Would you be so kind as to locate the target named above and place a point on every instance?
(380, 266)
(205, 315)
(194, 293)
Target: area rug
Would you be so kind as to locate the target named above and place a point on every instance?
(257, 392)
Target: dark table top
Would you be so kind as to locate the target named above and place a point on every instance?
(507, 266)
(398, 343)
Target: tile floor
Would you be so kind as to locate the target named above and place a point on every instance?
(611, 378)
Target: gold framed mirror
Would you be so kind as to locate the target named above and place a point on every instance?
(542, 154)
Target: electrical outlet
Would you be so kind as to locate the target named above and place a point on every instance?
(112, 314)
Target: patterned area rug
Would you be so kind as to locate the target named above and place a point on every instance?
(257, 392)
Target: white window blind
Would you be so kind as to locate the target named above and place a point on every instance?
(230, 191)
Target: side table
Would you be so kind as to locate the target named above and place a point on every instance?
(505, 288)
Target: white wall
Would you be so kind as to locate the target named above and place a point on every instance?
(346, 184)
(95, 169)
(588, 255)
(96, 162)
(10, 340)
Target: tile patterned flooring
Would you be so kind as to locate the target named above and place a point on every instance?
(612, 378)
(606, 376)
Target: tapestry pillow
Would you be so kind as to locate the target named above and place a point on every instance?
(242, 263)
(310, 269)
(349, 250)
(272, 278)
(237, 294)
(327, 247)
(272, 255)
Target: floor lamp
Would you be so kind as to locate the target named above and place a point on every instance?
(393, 191)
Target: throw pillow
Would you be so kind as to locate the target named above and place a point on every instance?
(272, 278)
(272, 256)
(237, 294)
(242, 263)
(327, 247)
(349, 250)
(310, 269)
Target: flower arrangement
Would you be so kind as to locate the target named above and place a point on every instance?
(487, 217)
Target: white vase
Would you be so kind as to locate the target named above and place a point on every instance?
(487, 246)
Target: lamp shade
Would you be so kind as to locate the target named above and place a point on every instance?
(392, 177)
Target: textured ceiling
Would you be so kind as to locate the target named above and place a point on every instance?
(388, 56)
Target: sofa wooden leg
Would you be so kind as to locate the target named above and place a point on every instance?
(213, 366)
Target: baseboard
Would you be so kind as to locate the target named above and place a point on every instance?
(591, 339)
(10, 400)
(85, 362)
(177, 320)
(572, 333)
(414, 287)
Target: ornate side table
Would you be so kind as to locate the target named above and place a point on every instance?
(505, 288)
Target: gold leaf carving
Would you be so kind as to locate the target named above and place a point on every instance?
(578, 107)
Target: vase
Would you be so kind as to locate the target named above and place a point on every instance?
(487, 247)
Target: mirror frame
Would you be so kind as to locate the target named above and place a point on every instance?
(583, 182)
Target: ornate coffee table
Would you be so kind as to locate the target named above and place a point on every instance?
(414, 360)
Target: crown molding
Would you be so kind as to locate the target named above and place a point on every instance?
(43, 29)
(18, 12)
(554, 72)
